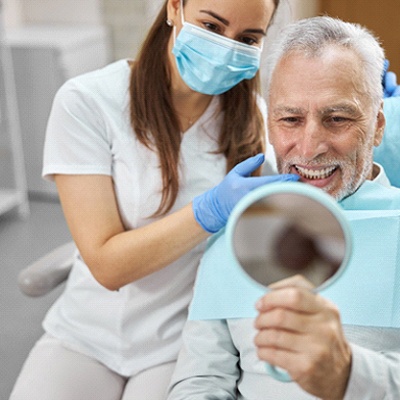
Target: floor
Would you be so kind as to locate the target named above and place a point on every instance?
(22, 242)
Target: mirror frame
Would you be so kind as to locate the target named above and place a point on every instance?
(298, 188)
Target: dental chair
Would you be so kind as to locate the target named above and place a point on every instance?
(45, 274)
(51, 270)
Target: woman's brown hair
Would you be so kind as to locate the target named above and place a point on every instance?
(156, 124)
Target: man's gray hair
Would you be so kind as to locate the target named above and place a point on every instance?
(312, 35)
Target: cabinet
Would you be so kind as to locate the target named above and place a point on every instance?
(44, 57)
(13, 188)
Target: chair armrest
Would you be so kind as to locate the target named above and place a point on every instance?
(42, 276)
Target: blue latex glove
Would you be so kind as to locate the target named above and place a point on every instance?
(212, 208)
(389, 82)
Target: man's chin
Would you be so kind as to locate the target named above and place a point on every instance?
(340, 193)
(328, 187)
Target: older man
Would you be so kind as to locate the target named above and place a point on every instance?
(325, 117)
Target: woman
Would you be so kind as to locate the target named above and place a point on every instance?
(129, 147)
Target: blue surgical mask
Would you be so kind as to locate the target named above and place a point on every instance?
(210, 63)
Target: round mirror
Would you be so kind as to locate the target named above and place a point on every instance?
(288, 229)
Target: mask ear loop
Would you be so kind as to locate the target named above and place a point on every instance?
(170, 23)
(174, 33)
(182, 17)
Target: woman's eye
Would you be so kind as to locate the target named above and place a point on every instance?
(249, 41)
(211, 27)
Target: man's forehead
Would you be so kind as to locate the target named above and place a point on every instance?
(330, 54)
(321, 84)
(333, 61)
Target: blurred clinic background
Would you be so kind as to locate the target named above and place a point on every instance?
(42, 44)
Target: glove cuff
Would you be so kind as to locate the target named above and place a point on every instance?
(206, 214)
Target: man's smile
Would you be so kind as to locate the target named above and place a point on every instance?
(315, 173)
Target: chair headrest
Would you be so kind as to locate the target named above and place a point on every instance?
(388, 152)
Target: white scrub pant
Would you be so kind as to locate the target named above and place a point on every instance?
(54, 372)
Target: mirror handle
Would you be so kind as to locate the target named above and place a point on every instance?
(278, 373)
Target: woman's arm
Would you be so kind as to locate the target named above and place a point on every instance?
(117, 257)
(114, 255)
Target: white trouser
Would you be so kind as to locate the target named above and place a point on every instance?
(54, 372)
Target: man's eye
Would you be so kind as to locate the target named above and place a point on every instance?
(338, 120)
(290, 120)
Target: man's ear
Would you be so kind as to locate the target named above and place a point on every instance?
(173, 11)
(380, 126)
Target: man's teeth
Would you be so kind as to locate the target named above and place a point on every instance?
(315, 174)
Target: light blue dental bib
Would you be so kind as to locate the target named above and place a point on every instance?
(368, 291)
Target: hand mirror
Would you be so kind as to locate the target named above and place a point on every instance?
(285, 229)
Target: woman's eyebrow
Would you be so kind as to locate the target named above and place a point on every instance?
(226, 22)
(216, 16)
(260, 31)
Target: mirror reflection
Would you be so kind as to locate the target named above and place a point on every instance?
(286, 234)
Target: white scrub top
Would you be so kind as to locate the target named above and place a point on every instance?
(89, 132)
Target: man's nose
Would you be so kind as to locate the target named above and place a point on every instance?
(313, 142)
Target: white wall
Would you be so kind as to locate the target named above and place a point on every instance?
(19, 12)
(62, 11)
(12, 11)
(128, 22)
(303, 8)
(153, 7)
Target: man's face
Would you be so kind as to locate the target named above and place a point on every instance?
(321, 123)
